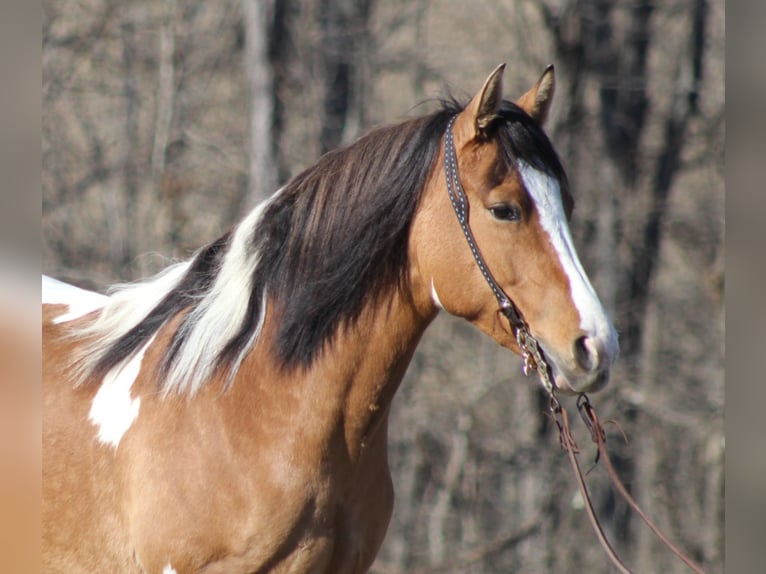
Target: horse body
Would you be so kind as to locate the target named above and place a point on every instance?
(276, 459)
(295, 480)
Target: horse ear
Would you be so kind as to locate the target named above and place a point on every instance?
(537, 101)
(481, 111)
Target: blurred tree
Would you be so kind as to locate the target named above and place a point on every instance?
(345, 60)
(264, 29)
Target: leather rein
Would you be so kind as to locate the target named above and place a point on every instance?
(533, 358)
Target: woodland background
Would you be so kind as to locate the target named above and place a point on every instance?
(164, 121)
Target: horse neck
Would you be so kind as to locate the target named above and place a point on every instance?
(351, 383)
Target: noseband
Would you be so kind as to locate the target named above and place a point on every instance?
(531, 353)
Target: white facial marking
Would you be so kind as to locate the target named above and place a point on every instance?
(113, 410)
(435, 296)
(168, 569)
(546, 194)
(79, 301)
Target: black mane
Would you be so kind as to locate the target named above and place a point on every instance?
(338, 234)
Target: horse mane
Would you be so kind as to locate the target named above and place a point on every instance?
(332, 239)
(329, 242)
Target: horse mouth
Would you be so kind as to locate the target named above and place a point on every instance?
(584, 368)
(592, 384)
(574, 382)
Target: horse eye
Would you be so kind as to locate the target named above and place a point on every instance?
(505, 212)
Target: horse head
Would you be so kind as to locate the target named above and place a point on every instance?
(514, 241)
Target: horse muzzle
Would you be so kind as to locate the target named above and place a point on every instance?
(587, 367)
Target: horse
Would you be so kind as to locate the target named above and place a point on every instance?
(230, 414)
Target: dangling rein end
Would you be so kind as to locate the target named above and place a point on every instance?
(588, 414)
(533, 359)
(592, 422)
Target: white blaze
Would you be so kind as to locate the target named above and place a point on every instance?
(546, 194)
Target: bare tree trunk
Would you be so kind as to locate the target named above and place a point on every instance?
(437, 544)
(646, 448)
(165, 91)
(336, 53)
(124, 245)
(362, 71)
(418, 62)
(167, 191)
(399, 537)
(263, 168)
(607, 279)
(344, 56)
(712, 539)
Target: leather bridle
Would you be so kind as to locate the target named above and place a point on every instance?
(534, 359)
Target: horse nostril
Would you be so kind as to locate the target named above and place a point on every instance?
(586, 354)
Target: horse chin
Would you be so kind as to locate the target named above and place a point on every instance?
(571, 382)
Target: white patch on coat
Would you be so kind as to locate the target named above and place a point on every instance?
(546, 195)
(79, 301)
(113, 410)
(168, 569)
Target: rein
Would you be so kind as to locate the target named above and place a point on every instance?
(534, 359)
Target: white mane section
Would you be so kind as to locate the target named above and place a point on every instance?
(210, 325)
(128, 305)
(218, 317)
(79, 301)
